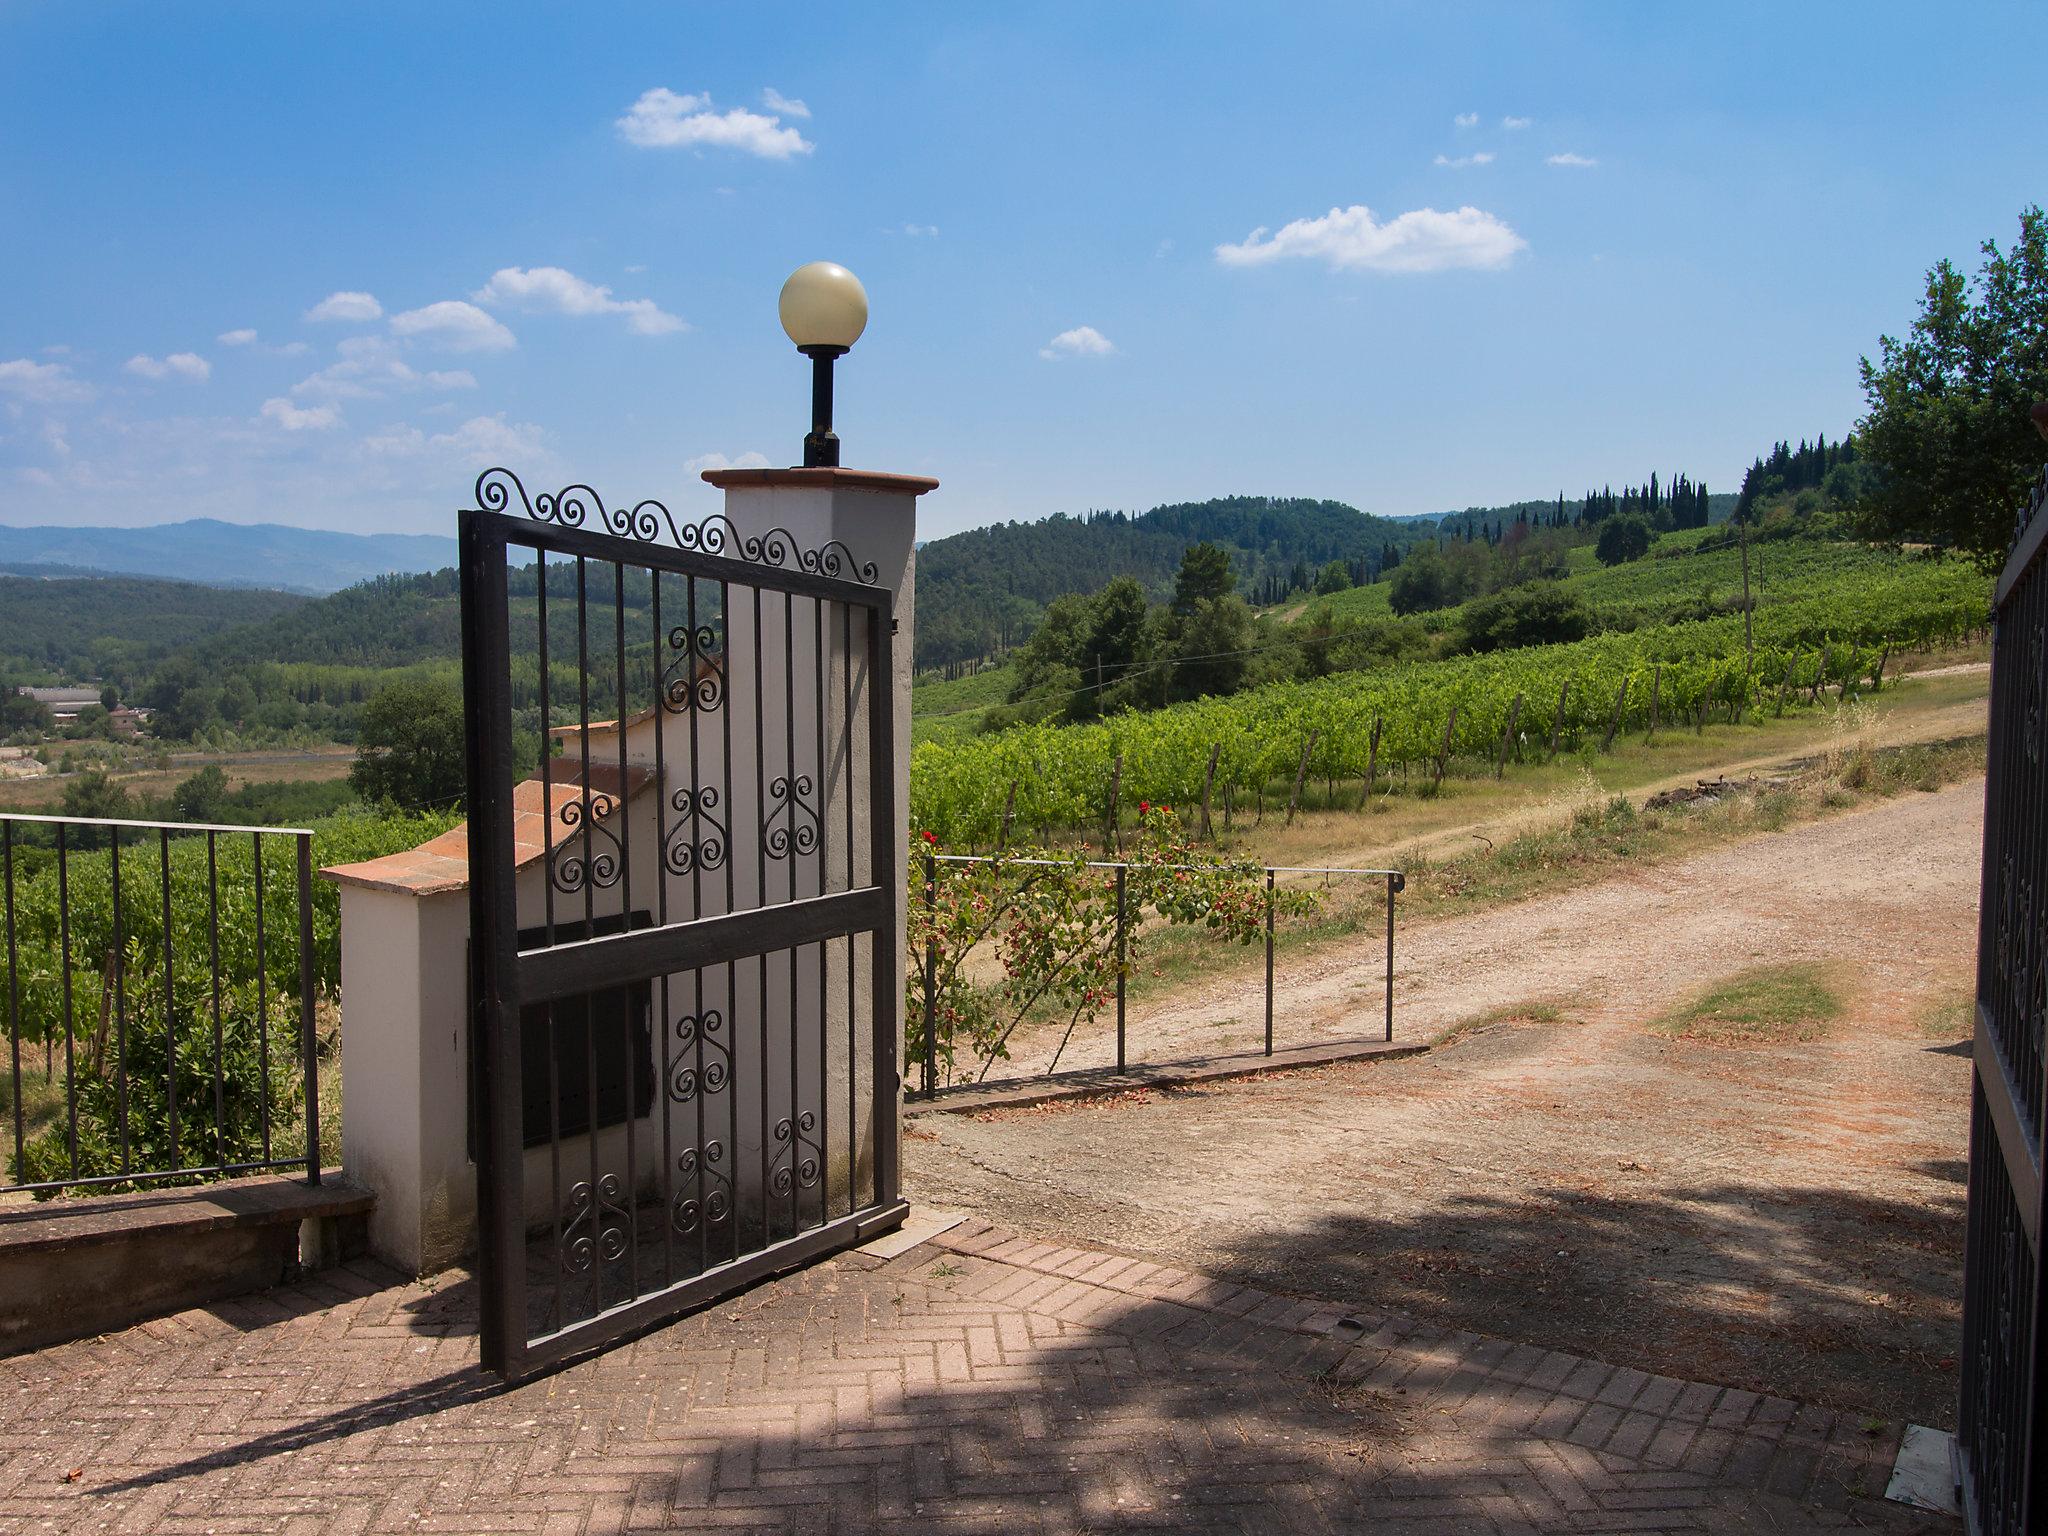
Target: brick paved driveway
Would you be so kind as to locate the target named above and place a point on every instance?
(980, 1382)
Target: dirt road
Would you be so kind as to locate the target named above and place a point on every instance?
(1784, 1217)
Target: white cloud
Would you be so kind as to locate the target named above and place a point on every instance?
(922, 231)
(189, 366)
(558, 291)
(1516, 124)
(1081, 341)
(661, 119)
(705, 461)
(292, 418)
(371, 368)
(455, 325)
(1582, 162)
(478, 442)
(44, 383)
(1350, 239)
(1478, 157)
(241, 338)
(775, 101)
(346, 306)
(1466, 120)
(485, 440)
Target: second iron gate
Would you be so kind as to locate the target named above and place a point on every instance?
(2002, 1423)
(685, 963)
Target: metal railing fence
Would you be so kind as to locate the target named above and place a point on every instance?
(159, 1027)
(1396, 881)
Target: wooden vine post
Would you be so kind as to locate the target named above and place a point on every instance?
(1557, 720)
(1116, 780)
(1009, 811)
(1372, 763)
(1443, 754)
(1614, 721)
(1300, 773)
(1507, 737)
(1656, 681)
(1209, 783)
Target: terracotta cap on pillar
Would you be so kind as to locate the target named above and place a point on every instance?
(821, 479)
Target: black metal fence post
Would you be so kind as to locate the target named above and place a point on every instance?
(1393, 885)
(310, 1033)
(931, 977)
(1269, 962)
(1122, 957)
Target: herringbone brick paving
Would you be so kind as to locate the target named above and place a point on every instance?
(981, 1382)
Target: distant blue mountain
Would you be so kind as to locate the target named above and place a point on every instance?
(221, 554)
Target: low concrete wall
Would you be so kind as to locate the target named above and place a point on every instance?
(73, 1268)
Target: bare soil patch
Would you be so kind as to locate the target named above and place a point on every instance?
(1784, 1214)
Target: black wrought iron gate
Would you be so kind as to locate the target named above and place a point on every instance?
(684, 872)
(2002, 1437)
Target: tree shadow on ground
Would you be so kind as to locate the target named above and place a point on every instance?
(1813, 1293)
(842, 1399)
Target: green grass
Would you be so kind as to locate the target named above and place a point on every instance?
(1770, 1005)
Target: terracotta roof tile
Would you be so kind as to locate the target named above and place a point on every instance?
(442, 863)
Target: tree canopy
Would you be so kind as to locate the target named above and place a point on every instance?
(409, 747)
(1949, 402)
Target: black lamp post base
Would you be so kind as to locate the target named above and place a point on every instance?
(821, 446)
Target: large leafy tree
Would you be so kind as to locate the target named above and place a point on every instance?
(1949, 402)
(409, 747)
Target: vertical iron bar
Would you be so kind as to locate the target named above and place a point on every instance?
(931, 977)
(494, 1017)
(558, 1276)
(796, 1122)
(163, 839)
(547, 794)
(589, 929)
(309, 1034)
(220, 1113)
(888, 939)
(1391, 879)
(852, 981)
(626, 1021)
(262, 994)
(761, 790)
(732, 1012)
(1123, 957)
(1269, 962)
(13, 1000)
(121, 997)
(70, 1021)
(662, 1020)
(818, 678)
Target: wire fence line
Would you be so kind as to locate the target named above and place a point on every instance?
(1124, 899)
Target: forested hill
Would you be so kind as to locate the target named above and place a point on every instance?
(985, 589)
(221, 554)
(65, 629)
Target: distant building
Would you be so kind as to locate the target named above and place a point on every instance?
(63, 703)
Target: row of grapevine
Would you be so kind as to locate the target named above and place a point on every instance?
(960, 788)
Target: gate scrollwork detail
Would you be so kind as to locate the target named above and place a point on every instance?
(499, 490)
(595, 1228)
(695, 1078)
(698, 839)
(792, 826)
(589, 853)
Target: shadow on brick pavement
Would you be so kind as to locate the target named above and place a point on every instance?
(981, 1382)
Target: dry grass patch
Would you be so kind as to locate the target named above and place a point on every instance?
(1771, 1005)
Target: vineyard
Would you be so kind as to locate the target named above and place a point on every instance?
(1472, 711)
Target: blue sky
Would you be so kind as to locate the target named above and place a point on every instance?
(1408, 256)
